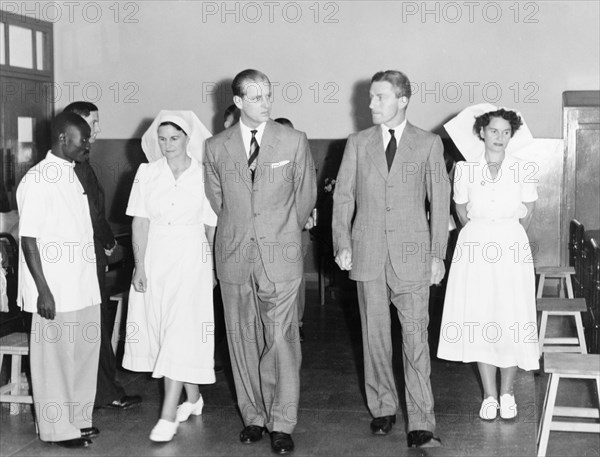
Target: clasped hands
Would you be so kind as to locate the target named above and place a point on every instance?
(109, 252)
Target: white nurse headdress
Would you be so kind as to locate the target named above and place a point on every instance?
(191, 125)
(460, 129)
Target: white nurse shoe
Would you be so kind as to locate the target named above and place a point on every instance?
(508, 407)
(489, 409)
(186, 409)
(163, 431)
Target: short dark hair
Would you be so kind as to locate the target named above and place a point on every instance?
(483, 121)
(231, 110)
(62, 121)
(82, 108)
(284, 121)
(240, 80)
(174, 125)
(397, 79)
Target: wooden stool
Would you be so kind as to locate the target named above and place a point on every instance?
(562, 273)
(562, 307)
(567, 366)
(15, 345)
(116, 333)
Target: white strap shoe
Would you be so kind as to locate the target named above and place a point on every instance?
(508, 406)
(186, 409)
(163, 431)
(489, 409)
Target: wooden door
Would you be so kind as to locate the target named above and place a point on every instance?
(581, 190)
(26, 91)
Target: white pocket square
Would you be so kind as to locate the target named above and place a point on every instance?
(280, 164)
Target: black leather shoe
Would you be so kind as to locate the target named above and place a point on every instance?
(89, 432)
(281, 443)
(252, 434)
(382, 425)
(125, 402)
(74, 443)
(423, 438)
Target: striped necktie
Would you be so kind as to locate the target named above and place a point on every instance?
(253, 153)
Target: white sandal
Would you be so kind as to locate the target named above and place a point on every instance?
(508, 406)
(163, 431)
(186, 409)
(489, 409)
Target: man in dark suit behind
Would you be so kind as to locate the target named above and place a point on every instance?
(392, 249)
(260, 180)
(109, 392)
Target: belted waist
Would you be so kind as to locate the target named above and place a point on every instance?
(173, 229)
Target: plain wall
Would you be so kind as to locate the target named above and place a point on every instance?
(135, 58)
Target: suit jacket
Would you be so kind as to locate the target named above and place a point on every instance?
(260, 220)
(391, 215)
(103, 235)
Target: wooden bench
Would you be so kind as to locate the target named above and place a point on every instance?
(17, 390)
(560, 273)
(572, 307)
(116, 333)
(579, 366)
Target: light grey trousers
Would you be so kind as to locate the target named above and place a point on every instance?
(411, 300)
(64, 367)
(262, 331)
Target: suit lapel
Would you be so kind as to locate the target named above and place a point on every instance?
(404, 153)
(268, 146)
(235, 147)
(376, 152)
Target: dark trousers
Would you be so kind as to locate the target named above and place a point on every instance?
(108, 389)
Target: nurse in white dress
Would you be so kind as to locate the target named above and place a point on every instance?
(489, 309)
(170, 323)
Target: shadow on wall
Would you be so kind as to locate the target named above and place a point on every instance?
(115, 163)
(222, 97)
(360, 105)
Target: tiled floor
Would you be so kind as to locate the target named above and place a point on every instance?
(333, 419)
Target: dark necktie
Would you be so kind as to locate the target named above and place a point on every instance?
(253, 153)
(390, 151)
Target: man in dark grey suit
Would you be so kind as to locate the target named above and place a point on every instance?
(260, 181)
(393, 249)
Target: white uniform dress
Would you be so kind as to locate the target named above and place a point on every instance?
(489, 310)
(170, 327)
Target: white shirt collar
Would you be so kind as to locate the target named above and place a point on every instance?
(398, 131)
(247, 134)
(54, 158)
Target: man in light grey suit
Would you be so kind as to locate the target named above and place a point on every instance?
(260, 180)
(393, 249)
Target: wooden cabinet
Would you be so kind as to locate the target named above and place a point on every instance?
(581, 177)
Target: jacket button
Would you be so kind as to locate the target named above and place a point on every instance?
(388, 209)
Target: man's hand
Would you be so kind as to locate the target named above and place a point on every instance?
(109, 252)
(310, 223)
(46, 306)
(438, 270)
(344, 259)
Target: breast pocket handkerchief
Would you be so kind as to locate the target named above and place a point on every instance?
(280, 164)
